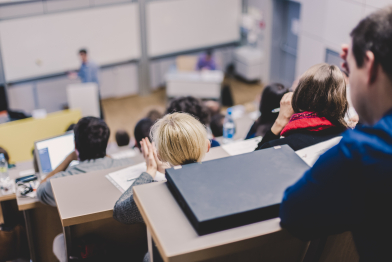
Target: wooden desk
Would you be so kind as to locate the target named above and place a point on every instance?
(42, 222)
(95, 201)
(89, 209)
(177, 240)
(14, 173)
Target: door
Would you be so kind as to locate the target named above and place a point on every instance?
(285, 30)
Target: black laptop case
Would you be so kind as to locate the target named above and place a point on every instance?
(237, 190)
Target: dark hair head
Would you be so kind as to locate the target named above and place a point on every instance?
(192, 106)
(209, 52)
(91, 138)
(374, 33)
(5, 153)
(122, 138)
(216, 125)
(83, 51)
(322, 90)
(270, 100)
(70, 128)
(142, 130)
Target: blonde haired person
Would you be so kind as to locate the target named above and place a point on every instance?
(178, 139)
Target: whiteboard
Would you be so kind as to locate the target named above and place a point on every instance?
(48, 44)
(179, 25)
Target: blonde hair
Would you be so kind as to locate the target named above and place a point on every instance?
(180, 139)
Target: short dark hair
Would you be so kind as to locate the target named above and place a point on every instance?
(91, 138)
(209, 52)
(192, 106)
(216, 125)
(270, 100)
(70, 127)
(322, 90)
(5, 153)
(374, 33)
(122, 138)
(83, 51)
(142, 130)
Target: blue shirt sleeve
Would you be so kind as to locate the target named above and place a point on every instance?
(320, 202)
(94, 74)
(45, 194)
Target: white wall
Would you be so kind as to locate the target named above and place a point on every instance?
(175, 26)
(326, 24)
(38, 46)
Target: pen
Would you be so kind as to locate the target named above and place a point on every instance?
(130, 179)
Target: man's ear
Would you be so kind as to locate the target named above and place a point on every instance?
(208, 145)
(371, 67)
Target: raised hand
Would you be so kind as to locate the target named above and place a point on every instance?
(285, 113)
(148, 154)
(161, 165)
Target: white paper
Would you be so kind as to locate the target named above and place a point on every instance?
(124, 178)
(124, 154)
(27, 172)
(242, 147)
(312, 153)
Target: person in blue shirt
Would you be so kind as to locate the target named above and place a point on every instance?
(206, 61)
(89, 71)
(349, 188)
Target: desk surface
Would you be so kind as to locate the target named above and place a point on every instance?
(86, 197)
(89, 203)
(176, 238)
(14, 173)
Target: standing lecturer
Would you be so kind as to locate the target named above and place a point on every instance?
(88, 73)
(89, 70)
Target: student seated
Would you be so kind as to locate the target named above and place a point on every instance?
(91, 138)
(142, 130)
(216, 125)
(196, 108)
(313, 113)
(122, 138)
(349, 187)
(269, 109)
(206, 61)
(180, 139)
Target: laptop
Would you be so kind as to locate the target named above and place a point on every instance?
(51, 152)
(237, 190)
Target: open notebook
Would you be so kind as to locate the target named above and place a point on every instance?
(124, 178)
(312, 153)
(242, 147)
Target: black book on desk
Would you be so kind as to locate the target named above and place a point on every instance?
(235, 191)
